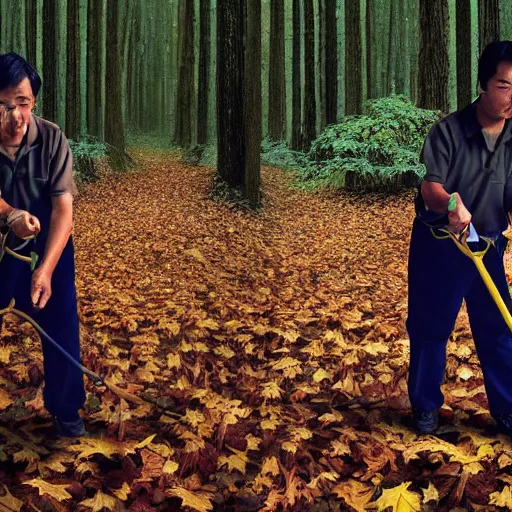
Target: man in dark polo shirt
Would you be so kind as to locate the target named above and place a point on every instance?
(36, 198)
(468, 158)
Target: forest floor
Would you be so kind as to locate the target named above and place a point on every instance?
(276, 339)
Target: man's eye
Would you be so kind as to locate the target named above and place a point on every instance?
(24, 105)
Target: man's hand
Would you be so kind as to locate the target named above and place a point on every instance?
(41, 287)
(23, 224)
(460, 217)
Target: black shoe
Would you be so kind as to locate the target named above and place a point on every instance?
(426, 421)
(73, 428)
(504, 422)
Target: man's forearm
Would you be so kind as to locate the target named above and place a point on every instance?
(5, 208)
(435, 196)
(61, 226)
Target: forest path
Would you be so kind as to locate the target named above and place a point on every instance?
(254, 328)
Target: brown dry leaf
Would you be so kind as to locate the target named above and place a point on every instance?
(9, 502)
(5, 399)
(356, 494)
(57, 492)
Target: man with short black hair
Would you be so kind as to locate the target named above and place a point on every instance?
(468, 159)
(36, 198)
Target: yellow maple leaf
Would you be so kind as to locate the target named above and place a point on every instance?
(5, 353)
(209, 323)
(200, 501)
(270, 424)
(194, 418)
(315, 349)
(271, 390)
(430, 493)
(99, 502)
(400, 498)
(57, 492)
(173, 361)
(320, 375)
(10, 502)
(331, 417)
(123, 492)
(253, 442)
(270, 466)
(200, 347)
(107, 447)
(331, 476)
(196, 253)
(170, 327)
(193, 443)
(376, 348)
(238, 460)
(170, 467)
(301, 433)
(503, 498)
(504, 460)
(25, 455)
(224, 351)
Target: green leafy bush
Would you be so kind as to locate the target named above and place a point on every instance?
(89, 159)
(376, 151)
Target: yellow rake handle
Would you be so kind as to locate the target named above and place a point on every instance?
(477, 258)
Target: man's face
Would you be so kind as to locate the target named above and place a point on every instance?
(15, 106)
(498, 97)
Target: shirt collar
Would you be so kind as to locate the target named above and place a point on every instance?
(472, 127)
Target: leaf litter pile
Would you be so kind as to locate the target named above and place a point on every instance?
(274, 344)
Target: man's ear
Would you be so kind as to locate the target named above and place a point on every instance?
(480, 90)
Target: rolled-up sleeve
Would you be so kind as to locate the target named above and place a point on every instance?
(435, 154)
(61, 169)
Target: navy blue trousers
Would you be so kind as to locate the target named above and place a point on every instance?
(64, 391)
(440, 277)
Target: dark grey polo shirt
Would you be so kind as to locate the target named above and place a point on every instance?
(43, 168)
(456, 155)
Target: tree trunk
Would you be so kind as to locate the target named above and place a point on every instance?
(183, 118)
(296, 80)
(309, 76)
(463, 36)
(73, 103)
(353, 58)
(331, 63)
(31, 32)
(96, 58)
(320, 67)
(276, 78)
(50, 67)
(252, 98)
(433, 59)
(204, 72)
(230, 92)
(114, 127)
(488, 22)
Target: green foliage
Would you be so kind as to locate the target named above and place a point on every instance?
(377, 151)
(277, 154)
(89, 159)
